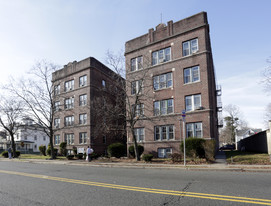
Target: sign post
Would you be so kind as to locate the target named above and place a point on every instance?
(183, 116)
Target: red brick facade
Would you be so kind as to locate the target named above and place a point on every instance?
(96, 75)
(173, 36)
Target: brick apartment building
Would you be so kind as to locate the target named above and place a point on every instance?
(81, 92)
(174, 66)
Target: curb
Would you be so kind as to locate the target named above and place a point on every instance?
(211, 167)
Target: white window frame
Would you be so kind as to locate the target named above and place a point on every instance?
(57, 122)
(83, 138)
(193, 99)
(138, 110)
(163, 152)
(189, 47)
(140, 134)
(161, 56)
(191, 75)
(83, 118)
(57, 89)
(136, 63)
(69, 138)
(69, 120)
(159, 132)
(57, 139)
(69, 103)
(57, 106)
(83, 81)
(136, 87)
(194, 128)
(69, 85)
(162, 107)
(83, 100)
(162, 81)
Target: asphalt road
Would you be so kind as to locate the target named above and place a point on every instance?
(48, 184)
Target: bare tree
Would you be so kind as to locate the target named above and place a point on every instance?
(267, 77)
(10, 114)
(37, 95)
(134, 90)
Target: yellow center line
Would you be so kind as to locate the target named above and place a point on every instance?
(149, 190)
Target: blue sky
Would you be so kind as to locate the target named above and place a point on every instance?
(66, 30)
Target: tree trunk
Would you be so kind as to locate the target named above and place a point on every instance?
(135, 145)
(53, 156)
(13, 145)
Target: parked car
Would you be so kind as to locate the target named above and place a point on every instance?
(228, 147)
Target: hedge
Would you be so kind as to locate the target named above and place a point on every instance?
(116, 150)
(132, 150)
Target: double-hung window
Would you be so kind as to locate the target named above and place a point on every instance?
(190, 47)
(194, 129)
(139, 134)
(69, 138)
(57, 122)
(164, 152)
(193, 102)
(69, 120)
(136, 87)
(191, 74)
(69, 103)
(57, 106)
(83, 100)
(137, 63)
(162, 81)
(83, 81)
(163, 107)
(57, 89)
(82, 118)
(138, 110)
(164, 132)
(161, 56)
(69, 85)
(57, 139)
(82, 138)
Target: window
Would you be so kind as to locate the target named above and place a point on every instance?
(82, 138)
(35, 137)
(69, 85)
(136, 87)
(163, 107)
(83, 81)
(139, 134)
(164, 152)
(191, 74)
(83, 100)
(56, 122)
(69, 138)
(165, 132)
(35, 146)
(194, 130)
(69, 103)
(161, 56)
(44, 138)
(162, 81)
(104, 139)
(57, 89)
(137, 63)
(138, 110)
(69, 120)
(190, 47)
(57, 106)
(57, 139)
(103, 84)
(193, 102)
(83, 119)
(25, 137)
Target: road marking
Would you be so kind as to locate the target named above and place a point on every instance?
(149, 190)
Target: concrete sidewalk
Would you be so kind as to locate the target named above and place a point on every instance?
(219, 165)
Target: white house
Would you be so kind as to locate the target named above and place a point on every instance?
(30, 136)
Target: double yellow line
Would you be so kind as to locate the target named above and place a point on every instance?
(149, 190)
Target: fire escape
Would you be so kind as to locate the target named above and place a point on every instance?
(219, 106)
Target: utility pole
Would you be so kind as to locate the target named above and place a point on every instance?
(183, 118)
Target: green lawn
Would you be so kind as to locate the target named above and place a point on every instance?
(237, 157)
(37, 156)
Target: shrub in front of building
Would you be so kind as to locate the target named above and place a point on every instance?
(42, 150)
(48, 151)
(4, 154)
(132, 150)
(209, 149)
(63, 148)
(176, 157)
(116, 150)
(194, 147)
(147, 157)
